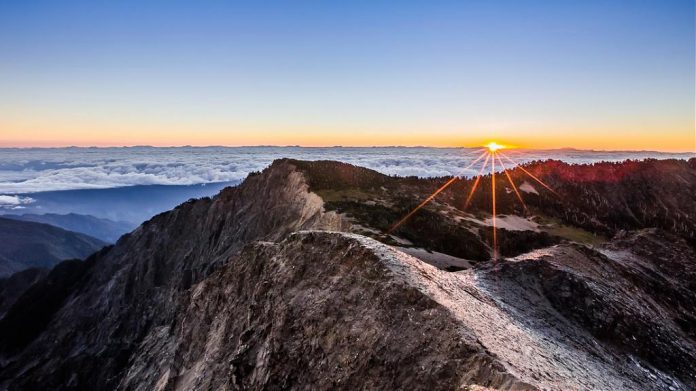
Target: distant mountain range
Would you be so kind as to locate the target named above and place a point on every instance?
(298, 279)
(25, 244)
(103, 229)
(130, 204)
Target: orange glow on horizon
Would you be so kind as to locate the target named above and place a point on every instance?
(253, 138)
(58, 131)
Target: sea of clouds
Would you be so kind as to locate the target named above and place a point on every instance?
(30, 170)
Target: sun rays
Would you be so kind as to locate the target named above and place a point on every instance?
(492, 153)
(438, 191)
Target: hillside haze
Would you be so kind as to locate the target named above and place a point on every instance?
(291, 281)
(28, 244)
(103, 229)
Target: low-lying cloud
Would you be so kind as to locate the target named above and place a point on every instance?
(14, 201)
(37, 170)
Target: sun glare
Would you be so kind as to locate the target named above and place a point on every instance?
(493, 146)
(491, 152)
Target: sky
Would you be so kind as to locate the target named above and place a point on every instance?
(602, 75)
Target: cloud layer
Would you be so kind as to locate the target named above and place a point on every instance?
(36, 170)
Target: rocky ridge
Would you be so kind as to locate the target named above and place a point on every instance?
(233, 292)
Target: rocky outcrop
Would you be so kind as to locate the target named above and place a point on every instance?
(620, 302)
(319, 310)
(350, 311)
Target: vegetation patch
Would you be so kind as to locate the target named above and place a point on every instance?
(425, 228)
(513, 243)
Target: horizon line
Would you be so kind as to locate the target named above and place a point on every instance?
(342, 146)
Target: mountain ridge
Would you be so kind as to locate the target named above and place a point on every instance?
(146, 312)
(103, 229)
(30, 244)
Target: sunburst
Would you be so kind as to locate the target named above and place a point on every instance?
(492, 153)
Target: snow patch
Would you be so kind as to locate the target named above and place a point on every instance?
(439, 260)
(513, 223)
(528, 188)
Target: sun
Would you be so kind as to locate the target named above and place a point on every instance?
(493, 146)
(489, 154)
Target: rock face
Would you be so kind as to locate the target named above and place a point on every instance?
(350, 311)
(630, 303)
(262, 288)
(31, 313)
(320, 309)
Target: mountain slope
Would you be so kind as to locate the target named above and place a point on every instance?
(225, 293)
(610, 197)
(133, 288)
(601, 199)
(103, 229)
(12, 287)
(350, 311)
(332, 304)
(633, 298)
(27, 244)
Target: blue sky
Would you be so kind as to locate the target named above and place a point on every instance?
(327, 73)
